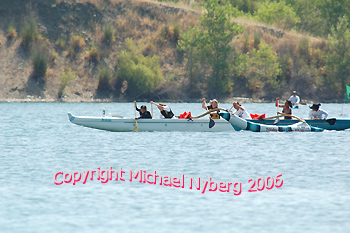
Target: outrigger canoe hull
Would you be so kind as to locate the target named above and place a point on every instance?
(339, 124)
(116, 124)
(119, 124)
(258, 127)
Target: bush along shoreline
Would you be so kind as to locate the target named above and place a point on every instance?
(171, 51)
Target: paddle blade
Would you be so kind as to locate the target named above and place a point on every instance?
(211, 123)
(276, 121)
(136, 129)
(331, 121)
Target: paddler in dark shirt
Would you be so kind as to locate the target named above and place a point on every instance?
(212, 105)
(165, 110)
(143, 111)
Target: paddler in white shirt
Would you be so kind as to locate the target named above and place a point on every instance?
(294, 99)
(164, 110)
(317, 113)
(240, 111)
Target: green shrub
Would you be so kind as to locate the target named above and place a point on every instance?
(11, 32)
(170, 33)
(143, 74)
(104, 76)
(93, 54)
(52, 57)
(277, 13)
(108, 34)
(40, 62)
(177, 33)
(257, 40)
(303, 48)
(61, 42)
(29, 33)
(247, 6)
(76, 44)
(65, 79)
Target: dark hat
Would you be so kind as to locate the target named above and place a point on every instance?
(315, 106)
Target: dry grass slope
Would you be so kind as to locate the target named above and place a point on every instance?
(85, 35)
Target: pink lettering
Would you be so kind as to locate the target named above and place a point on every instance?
(86, 176)
(195, 184)
(104, 179)
(65, 178)
(76, 180)
(121, 174)
(222, 187)
(55, 179)
(135, 175)
(176, 182)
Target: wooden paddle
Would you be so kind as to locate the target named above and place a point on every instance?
(284, 114)
(277, 105)
(136, 129)
(300, 119)
(152, 108)
(230, 108)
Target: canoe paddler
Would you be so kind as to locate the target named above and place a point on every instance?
(294, 98)
(212, 105)
(241, 111)
(143, 111)
(317, 113)
(287, 107)
(165, 110)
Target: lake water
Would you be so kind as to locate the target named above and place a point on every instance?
(37, 141)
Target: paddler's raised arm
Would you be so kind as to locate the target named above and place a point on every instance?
(277, 102)
(204, 104)
(136, 105)
(159, 106)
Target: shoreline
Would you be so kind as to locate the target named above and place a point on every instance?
(75, 100)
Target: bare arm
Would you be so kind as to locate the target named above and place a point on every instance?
(277, 103)
(203, 104)
(159, 107)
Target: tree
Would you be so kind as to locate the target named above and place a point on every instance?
(208, 45)
(264, 68)
(338, 58)
(218, 31)
(332, 11)
(310, 16)
(188, 44)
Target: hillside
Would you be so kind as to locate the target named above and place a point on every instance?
(151, 25)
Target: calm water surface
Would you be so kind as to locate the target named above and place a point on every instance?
(37, 140)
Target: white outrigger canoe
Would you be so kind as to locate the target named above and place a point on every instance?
(229, 122)
(122, 124)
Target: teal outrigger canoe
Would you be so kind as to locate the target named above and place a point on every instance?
(241, 124)
(329, 124)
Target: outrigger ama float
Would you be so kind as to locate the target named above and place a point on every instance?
(230, 122)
